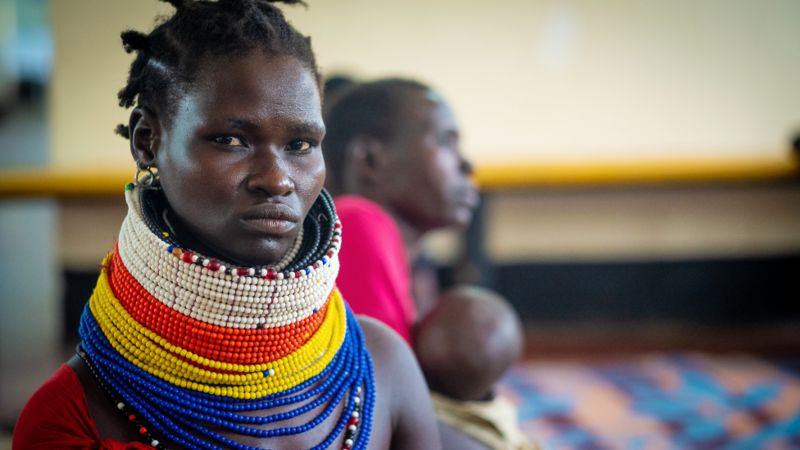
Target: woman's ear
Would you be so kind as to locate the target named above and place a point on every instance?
(366, 160)
(145, 135)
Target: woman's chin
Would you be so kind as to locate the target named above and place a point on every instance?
(258, 254)
(460, 217)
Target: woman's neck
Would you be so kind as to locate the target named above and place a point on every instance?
(187, 239)
(412, 236)
(157, 209)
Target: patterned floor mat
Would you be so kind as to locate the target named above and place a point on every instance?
(682, 401)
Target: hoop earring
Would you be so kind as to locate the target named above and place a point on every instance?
(145, 176)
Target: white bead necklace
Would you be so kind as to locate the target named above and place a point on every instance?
(255, 300)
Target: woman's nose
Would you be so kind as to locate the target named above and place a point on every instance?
(270, 174)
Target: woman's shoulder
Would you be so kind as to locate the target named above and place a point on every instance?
(58, 416)
(62, 389)
(394, 362)
(388, 349)
(56, 413)
(403, 394)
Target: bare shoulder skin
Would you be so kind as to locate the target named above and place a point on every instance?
(403, 403)
(108, 420)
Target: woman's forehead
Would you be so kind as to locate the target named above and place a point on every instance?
(419, 113)
(253, 70)
(255, 85)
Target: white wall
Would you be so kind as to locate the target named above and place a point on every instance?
(586, 80)
(30, 309)
(564, 80)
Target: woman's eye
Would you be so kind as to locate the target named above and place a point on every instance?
(448, 140)
(300, 146)
(229, 140)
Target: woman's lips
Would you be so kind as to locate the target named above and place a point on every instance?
(270, 226)
(273, 219)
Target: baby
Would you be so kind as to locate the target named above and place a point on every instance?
(465, 344)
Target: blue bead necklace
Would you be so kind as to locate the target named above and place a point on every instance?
(181, 415)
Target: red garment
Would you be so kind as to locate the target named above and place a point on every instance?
(57, 417)
(374, 278)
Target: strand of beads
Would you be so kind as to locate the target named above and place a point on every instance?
(360, 417)
(155, 213)
(193, 287)
(321, 226)
(178, 279)
(155, 355)
(191, 395)
(243, 346)
(182, 398)
(202, 296)
(93, 335)
(180, 422)
(140, 426)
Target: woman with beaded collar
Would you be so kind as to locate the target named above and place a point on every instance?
(215, 322)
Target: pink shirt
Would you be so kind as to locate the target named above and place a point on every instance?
(374, 278)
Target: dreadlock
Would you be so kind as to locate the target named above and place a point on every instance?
(167, 58)
(370, 109)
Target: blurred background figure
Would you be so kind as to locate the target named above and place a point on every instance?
(397, 172)
(638, 196)
(333, 88)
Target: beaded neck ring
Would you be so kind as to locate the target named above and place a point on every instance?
(320, 226)
(185, 345)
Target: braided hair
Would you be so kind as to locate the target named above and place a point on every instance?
(168, 58)
(370, 109)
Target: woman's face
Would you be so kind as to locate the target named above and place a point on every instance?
(426, 151)
(240, 161)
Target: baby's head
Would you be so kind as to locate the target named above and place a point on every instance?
(467, 342)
